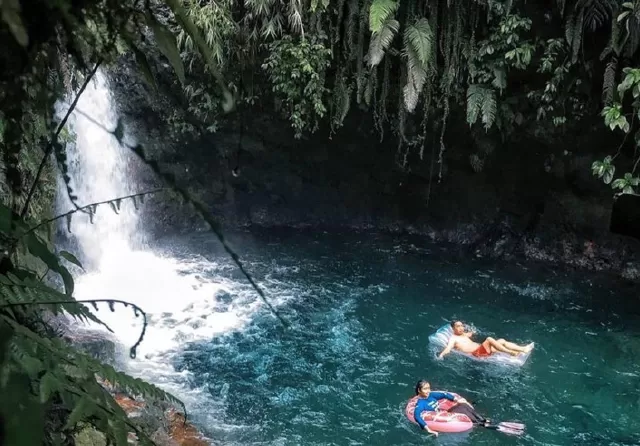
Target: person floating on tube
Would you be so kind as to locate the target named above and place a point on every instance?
(430, 401)
(461, 340)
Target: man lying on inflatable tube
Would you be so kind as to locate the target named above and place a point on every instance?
(461, 341)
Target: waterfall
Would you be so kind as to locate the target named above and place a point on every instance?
(118, 263)
(100, 170)
(179, 293)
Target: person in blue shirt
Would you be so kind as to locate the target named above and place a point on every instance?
(428, 401)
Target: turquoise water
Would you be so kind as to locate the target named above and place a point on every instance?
(361, 308)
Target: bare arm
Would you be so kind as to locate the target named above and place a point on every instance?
(448, 348)
(469, 334)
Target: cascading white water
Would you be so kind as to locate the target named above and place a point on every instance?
(181, 307)
(98, 171)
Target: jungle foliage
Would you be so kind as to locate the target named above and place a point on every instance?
(510, 67)
(50, 389)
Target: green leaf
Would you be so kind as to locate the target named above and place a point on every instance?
(6, 334)
(624, 124)
(419, 37)
(12, 16)
(167, 44)
(121, 434)
(6, 217)
(500, 78)
(21, 413)
(380, 41)
(205, 51)
(380, 12)
(48, 386)
(618, 184)
(229, 102)
(474, 103)
(608, 174)
(84, 408)
(71, 258)
(38, 249)
(33, 366)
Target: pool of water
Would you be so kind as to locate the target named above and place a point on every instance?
(361, 308)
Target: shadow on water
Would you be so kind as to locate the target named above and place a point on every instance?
(362, 311)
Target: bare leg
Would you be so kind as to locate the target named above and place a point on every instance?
(498, 346)
(516, 347)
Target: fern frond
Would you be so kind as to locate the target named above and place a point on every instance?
(260, 8)
(418, 49)
(419, 37)
(489, 108)
(380, 12)
(295, 16)
(475, 97)
(20, 291)
(596, 12)
(416, 77)
(481, 102)
(380, 41)
(87, 366)
(69, 375)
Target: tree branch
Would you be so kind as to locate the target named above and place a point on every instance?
(80, 209)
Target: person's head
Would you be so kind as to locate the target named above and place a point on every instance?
(458, 327)
(423, 388)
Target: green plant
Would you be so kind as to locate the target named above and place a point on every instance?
(296, 70)
(39, 372)
(616, 118)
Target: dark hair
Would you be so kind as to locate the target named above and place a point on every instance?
(453, 322)
(419, 384)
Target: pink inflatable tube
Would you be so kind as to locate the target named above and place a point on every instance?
(440, 421)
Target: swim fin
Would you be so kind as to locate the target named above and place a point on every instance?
(511, 425)
(509, 431)
(508, 428)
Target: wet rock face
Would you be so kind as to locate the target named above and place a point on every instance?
(163, 424)
(525, 199)
(98, 345)
(157, 419)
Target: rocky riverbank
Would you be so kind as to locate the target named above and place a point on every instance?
(160, 421)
